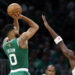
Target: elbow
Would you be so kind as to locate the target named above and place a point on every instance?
(37, 27)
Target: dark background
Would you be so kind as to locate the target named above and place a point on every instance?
(60, 15)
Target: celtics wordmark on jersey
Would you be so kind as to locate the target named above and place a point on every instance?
(17, 56)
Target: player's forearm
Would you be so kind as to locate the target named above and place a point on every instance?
(30, 22)
(16, 24)
(62, 47)
(60, 43)
(57, 39)
(51, 31)
(54, 35)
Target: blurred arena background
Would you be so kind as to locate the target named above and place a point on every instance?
(42, 50)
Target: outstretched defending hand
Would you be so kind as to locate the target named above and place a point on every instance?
(45, 21)
(51, 31)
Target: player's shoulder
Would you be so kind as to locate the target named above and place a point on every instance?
(4, 42)
(5, 39)
(14, 41)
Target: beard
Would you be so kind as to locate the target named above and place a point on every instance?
(17, 35)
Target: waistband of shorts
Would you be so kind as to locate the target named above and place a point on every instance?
(19, 69)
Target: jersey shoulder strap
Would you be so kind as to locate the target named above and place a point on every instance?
(14, 41)
(3, 46)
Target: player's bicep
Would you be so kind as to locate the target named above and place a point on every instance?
(31, 31)
(27, 35)
(23, 37)
(22, 40)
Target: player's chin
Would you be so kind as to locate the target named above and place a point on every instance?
(17, 35)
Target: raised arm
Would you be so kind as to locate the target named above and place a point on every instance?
(16, 23)
(58, 40)
(30, 32)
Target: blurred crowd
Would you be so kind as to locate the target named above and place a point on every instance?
(60, 15)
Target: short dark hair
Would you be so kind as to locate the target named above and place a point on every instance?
(48, 66)
(7, 29)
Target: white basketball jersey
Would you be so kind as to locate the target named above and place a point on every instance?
(73, 71)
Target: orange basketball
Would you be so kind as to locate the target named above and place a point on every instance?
(14, 8)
